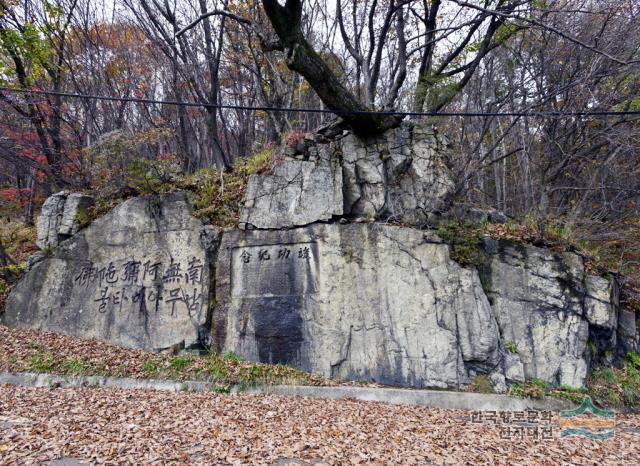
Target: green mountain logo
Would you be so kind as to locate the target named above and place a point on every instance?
(599, 427)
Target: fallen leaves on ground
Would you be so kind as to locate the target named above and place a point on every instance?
(23, 350)
(115, 426)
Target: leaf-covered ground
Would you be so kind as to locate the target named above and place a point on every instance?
(114, 426)
(39, 351)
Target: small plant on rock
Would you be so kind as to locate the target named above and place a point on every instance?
(511, 347)
(481, 384)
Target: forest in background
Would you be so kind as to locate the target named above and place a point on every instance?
(569, 177)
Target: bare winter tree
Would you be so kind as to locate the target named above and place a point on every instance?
(195, 62)
(581, 169)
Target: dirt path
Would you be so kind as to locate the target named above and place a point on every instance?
(115, 426)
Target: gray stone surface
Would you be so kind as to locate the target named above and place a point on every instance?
(73, 206)
(299, 192)
(628, 332)
(548, 307)
(435, 399)
(513, 368)
(48, 223)
(313, 283)
(59, 217)
(401, 175)
(601, 302)
(355, 301)
(66, 462)
(139, 277)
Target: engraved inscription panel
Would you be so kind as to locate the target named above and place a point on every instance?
(175, 288)
(274, 270)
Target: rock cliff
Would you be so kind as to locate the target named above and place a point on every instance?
(140, 276)
(335, 270)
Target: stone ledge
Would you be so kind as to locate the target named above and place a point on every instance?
(428, 398)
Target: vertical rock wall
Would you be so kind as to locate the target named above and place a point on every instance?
(354, 301)
(400, 176)
(550, 310)
(58, 219)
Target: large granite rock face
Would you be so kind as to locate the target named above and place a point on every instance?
(401, 175)
(58, 219)
(356, 301)
(628, 332)
(299, 192)
(139, 276)
(310, 281)
(549, 308)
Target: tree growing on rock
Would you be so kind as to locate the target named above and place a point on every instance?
(417, 54)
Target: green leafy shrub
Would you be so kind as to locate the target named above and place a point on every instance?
(464, 239)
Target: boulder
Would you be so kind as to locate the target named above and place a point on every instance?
(299, 192)
(402, 175)
(75, 204)
(628, 332)
(48, 224)
(310, 279)
(549, 308)
(58, 218)
(355, 301)
(139, 277)
(600, 302)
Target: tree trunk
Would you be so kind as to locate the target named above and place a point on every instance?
(28, 208)
(301, 57)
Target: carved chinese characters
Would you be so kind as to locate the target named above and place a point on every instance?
(146, 285)
(274, 270)
(140, 277)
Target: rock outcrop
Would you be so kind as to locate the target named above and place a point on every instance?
(354, 301)
(549, 308)
(401, 176)
(58, 219)
(311, 280)
(299, 192)
(139, 276)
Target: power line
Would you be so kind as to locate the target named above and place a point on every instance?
(318, 110)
